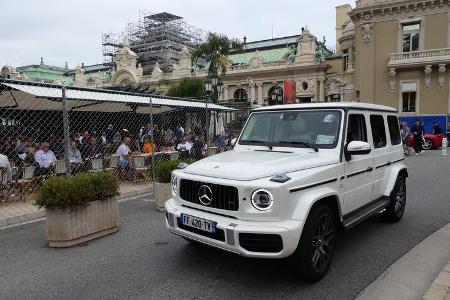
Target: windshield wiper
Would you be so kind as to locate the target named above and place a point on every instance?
(260, 142)
(300, 143)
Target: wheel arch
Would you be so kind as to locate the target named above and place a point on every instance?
(392, 178)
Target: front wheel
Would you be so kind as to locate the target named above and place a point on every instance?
(427, 144)
(395, 210)
(315, 249)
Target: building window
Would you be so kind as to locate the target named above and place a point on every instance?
(240, 95)
(409, 96)
(345, 57)
(411, 33)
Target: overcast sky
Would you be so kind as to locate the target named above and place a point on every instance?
(61, 30)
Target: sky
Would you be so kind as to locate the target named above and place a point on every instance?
(63, 30)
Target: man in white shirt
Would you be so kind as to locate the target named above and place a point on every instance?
(123, 151)
(4, 163)
(45, 158)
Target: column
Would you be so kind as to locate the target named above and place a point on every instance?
(252, 92)
(225, 92)
(322, 90)
(260, 94)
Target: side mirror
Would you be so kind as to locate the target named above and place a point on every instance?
(356, 148)
(233, 142)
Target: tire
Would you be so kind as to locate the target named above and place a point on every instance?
(427, 144)
(395, 210)
(314, 253)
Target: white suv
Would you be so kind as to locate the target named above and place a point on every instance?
(296, 175)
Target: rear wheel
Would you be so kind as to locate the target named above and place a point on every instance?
(394, 211)
(315, 249)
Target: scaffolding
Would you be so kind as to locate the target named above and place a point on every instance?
(155, 38)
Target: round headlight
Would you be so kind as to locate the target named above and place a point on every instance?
(262, 199)
(174, 184)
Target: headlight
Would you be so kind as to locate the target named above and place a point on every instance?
(262, 199)
(174, 184)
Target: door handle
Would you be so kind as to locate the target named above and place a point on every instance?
(388, 163)
(369, 169)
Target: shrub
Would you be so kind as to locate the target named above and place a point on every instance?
(77, 191)
(163, 169)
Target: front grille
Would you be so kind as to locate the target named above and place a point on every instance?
(223, 197)
(218, 235)
(261, 242)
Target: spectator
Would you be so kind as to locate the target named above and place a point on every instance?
(149, 148)
(418, 133)
(197, 148)
(437, 128)
(136, 147)
(92, 150)
(4, 163)
(109, 134)
(78, 139)
(74, 154)
(186, 145)
(27, 158)
(405, 132)
(45, 158)
(117, 138)
(169, 135)
(123, 151)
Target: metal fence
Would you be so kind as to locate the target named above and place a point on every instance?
(52, 130)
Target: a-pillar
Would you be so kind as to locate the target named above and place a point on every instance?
(260, 94)
(321, 90)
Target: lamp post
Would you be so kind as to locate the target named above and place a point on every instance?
(213, 89)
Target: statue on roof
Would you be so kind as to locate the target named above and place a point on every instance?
(292, 53)
(321, 50)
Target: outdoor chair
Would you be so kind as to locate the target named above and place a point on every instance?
(27, 184)
(96, 165)
(138, 168)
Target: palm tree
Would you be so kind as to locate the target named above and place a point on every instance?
(215, 51)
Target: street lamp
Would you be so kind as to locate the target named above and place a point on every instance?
(215, 85)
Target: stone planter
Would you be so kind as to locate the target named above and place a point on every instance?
(162, 193)
(67, 228)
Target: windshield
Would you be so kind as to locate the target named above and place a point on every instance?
(303, 129)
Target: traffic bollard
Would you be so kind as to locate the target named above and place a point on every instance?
(444, 146)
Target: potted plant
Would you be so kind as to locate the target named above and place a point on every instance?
(79, 208)
(163, 175)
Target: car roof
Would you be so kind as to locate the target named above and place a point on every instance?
(329, 105)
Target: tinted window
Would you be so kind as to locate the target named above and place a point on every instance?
(356, 129)
(394, 130)
(378, 131)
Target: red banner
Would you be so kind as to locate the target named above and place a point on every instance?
(289, 92)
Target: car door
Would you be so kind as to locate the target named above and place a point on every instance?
(381, 152)
(358, 181)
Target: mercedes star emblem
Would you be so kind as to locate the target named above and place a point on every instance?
(205, 195)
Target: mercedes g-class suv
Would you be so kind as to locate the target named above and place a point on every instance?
(296, 175)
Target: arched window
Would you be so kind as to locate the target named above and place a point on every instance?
(275, 95)
(240, 95)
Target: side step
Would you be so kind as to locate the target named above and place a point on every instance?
(362, 213)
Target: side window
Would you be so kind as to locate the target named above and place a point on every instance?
(378, 131)
(394, 130)
(356, 128)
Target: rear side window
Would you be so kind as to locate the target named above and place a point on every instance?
(356, 129)
(394, 130)
(378, 131)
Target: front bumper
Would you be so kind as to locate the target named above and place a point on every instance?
(230, 229)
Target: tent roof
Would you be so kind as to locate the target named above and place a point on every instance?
(34, 96)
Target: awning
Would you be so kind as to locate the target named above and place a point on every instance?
(31, 96)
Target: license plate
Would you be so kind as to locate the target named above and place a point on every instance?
(198, 223)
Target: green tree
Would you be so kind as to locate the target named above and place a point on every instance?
(187, 88)
(215, 51)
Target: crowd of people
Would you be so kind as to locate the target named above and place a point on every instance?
(418, 132)
(86, 146)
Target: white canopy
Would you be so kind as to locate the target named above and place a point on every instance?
(39, 97)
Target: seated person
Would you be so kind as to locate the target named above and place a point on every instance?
(75, 159)
(197, 148)
(123, 152)
(92, 150)
(45, 158)
(27, 158)
(136, 147)
(184, 147)
(149, 148)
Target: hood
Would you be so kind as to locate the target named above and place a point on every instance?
(251, 165)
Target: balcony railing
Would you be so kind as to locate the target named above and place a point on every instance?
(432, 56)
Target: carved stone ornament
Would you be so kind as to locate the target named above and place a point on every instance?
(441, 80)
(157, 73)
(308, 83)
(392, 74)
(427, 76)
(257, 60)
(367, 32)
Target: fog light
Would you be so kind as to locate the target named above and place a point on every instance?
(262, 199)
